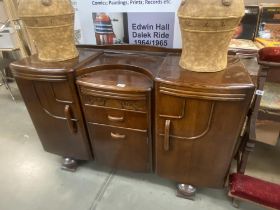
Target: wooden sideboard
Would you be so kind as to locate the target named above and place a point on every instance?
(134, 108)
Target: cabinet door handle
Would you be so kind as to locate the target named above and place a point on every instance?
(71, 124)
(117, 136)
(166, 135)
(115, 119)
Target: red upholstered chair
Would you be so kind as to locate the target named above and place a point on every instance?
(263, 126)
(264, 119)
(250, 189)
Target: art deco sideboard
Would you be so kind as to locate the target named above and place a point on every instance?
(134, 108)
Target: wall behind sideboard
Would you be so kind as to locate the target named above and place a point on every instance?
(3, 16)
(254, 2)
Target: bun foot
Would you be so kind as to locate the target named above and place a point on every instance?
(186, 191)
(69, 164)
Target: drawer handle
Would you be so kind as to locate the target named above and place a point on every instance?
(115, 119)
(71, 124)
(166, 135)
(117, 136)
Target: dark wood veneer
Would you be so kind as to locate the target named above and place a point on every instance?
(134, 108)
(198, 119)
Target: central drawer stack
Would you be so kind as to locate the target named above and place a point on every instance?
(117, 108)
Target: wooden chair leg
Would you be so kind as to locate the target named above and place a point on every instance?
(250, 145)
(241, 147)
(235, 203)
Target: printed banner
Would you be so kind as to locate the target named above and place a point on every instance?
(148, 22)
(151, 28)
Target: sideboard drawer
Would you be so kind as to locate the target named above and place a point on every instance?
(116, 117)
(133, 102)
(120, 148)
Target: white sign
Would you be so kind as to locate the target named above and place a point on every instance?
(151, 22)
(151, 28)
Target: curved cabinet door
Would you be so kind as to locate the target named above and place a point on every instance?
(57, 117)
(196, 134)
